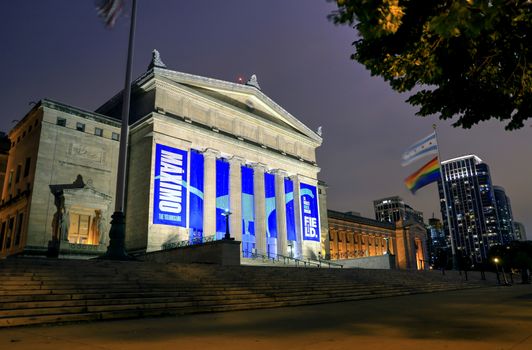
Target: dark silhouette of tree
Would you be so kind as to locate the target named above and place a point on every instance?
(468, 59)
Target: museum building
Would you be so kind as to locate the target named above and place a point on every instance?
(201, 151)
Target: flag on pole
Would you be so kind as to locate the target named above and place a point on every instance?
(427, 174)
(420, 149)
(109, 10)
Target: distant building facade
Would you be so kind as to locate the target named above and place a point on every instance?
(393, 209)
(5, 145)
(354, 237)
(474, 225)
(519, 231)
(437, 241)
(504, 214)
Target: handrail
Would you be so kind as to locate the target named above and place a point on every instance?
(278, 257)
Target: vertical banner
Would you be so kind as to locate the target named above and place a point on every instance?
(169, 189)
(222, 195)
(248, 212)
(195, 190)
(310, 221)
(290, 211)
(271, 214)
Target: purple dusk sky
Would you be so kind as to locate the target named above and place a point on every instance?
(61, 50)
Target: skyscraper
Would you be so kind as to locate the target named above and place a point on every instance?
(393, 209)
(519, 231)
(472, 209)
(504, 214)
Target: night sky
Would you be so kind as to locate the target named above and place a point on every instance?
(61, 50)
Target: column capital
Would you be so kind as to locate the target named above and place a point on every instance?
(279, 172)
(211, 153)
(259, 166)
(237, 159)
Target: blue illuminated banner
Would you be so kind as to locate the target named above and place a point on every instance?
(222, 195)
(248, 211)
(271, 214)
(290, 211)
(309, 212)
(196, 196)
(170, 190)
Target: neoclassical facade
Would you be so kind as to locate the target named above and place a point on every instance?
(354, 237)
(201, 151)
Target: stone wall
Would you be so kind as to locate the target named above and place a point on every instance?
(222, 252)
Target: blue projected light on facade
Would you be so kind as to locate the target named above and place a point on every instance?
(290, 211)
(248, 212)
(196, 196)
(170, 189)
(222, 195)
(271, 214)
(310, 221)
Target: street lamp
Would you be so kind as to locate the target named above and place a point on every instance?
(227, 213)
(496, 261)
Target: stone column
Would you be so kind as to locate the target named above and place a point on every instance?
(298, 249)
(235, 198)
(209, 192)
(280, 209)
(259, 200)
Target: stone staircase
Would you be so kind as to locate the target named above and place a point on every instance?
(34, 291)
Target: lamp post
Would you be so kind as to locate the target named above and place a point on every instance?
(496, 261)
(227, 213)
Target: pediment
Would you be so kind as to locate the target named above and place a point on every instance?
(242, 97)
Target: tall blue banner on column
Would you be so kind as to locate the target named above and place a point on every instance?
(196, 196)
(290, 211)
(248, 212)
(271, 214)
(222, 195)
(170, 190)
(310, 217)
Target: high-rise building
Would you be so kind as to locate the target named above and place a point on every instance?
(393, 209)
(436, 239)
(504, 214)
(519, 231)
(472, 209)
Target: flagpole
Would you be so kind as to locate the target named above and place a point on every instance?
(453, 250)
(117, 234)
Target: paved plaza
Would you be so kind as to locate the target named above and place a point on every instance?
(486, 318)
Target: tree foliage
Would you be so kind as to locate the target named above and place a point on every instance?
(470, 59)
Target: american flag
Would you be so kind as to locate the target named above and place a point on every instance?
(109, 10)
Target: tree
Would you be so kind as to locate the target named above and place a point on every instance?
(469, 59)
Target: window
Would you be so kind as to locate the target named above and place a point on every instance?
(27, 167)
(115, 136)
(61, 121)
(17, 175)
(9, 232)
(78, 231)
(18, 234)
(98, 132)
(80, 126)
(2, 235)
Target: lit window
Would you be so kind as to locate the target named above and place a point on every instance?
(78, 231)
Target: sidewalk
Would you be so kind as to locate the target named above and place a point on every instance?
(487, 318)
